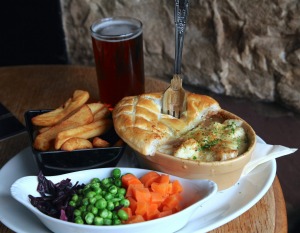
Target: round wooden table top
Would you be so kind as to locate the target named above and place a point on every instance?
(40, 87)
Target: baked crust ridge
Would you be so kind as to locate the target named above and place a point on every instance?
(138, 120)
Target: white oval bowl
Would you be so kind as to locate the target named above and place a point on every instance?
(195, 193)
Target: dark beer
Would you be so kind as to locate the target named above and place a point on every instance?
(119, 59)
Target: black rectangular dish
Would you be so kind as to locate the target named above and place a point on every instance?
(57, 162)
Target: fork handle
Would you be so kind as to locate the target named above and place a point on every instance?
(180, 17)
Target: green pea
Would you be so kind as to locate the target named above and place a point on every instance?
(89, 218)
(116, 222)
(107, 221)
(98, 197)
(95, 186)
(77, 212)
(92, 200)
(101, 204)
(113, 189)
(110, 205)
(118, 183)
(79, 220)
(115, 199)
(116, 173)
(75, 198)
(72, 203)
(109, 216)
(108, 196)
(97, 190)
(105, 181)
(103, 213)
(95, 203)
(95, 180)
(122, 215)
(125, 202)
(122, 191)
(94, 210)
(98, 221)
(120, 196)
(90, 194)
(85, 201)
(106, 186)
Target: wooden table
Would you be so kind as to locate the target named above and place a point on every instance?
(38, 87)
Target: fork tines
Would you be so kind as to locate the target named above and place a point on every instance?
(174, 99)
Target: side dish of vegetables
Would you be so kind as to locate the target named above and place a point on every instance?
(114, 200)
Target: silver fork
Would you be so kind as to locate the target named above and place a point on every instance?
(174, 98)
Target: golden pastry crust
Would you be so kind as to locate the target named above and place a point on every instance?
(139, 122)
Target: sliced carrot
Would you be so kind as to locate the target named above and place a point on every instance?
(156, 197)
(151, 196)
(176, 187)
(132, 204)
(170, 188)
(132, 187)
(164, 178)
(141, 208)
(149, 178)
(152, 211)
(142, 194)
(161, 188)
(172, 201)
(128, 179)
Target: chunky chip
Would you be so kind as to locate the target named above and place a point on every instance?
(74, 125)
(91, 130)
(100, 143)
(99, 110)
(76, 144)
(82, 117)
(95, 107)
(51, 118)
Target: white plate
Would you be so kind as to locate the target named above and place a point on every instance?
(219, 210)
(195, 193)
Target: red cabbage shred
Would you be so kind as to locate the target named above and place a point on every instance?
(54, 198)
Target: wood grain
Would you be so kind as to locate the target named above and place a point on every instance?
(39, 87)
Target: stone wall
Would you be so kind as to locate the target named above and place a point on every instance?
(239, 48)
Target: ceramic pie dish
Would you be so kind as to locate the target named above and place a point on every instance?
(139, 121)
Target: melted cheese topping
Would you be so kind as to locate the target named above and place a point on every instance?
(211, 140)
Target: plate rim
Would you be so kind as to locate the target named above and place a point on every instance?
(271, 176)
